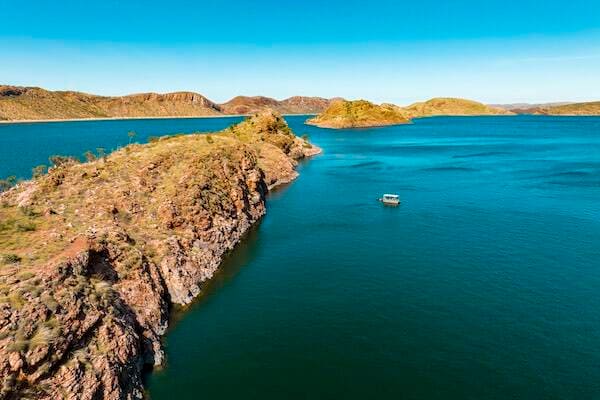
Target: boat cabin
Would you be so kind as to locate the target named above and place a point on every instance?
(390, 199)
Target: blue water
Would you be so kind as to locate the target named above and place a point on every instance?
(483, 284)
(23, 146)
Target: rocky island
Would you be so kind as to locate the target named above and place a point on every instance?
(94, 255)
(361, 113)
(358, 114)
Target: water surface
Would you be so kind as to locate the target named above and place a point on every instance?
(484, 284)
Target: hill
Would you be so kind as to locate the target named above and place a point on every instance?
(516, 107)
(32, 103)
(292, 105)
(29, 103)
(452, 106)
(583, 109)
(359, 113)
(94, 255)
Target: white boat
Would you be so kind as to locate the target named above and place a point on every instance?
(390, 199)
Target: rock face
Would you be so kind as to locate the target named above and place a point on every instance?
(357, 114)
(94, 254)
(29, 103)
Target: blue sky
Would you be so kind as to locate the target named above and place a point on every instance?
(393, 51)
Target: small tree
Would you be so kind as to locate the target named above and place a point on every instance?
(131, 135)
(7, 183)
(89, 156)
(62, 160)
(38, 171)
(101, 153)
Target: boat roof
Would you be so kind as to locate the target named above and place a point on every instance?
(391, 195)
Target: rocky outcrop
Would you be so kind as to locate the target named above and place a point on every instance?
(95, 254)
(358, 114)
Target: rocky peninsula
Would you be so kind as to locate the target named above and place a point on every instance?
(95, 254)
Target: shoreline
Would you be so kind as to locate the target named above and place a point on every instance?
(40, 121)
(136, 302)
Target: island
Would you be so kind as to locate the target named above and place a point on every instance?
(94, 255)
(343, 114)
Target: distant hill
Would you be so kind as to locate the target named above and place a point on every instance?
(588, 108)
(32, 103)
(525, 106)
(247, 105)
(451, 106)
(359, 113)
(293, 105)
(27, 103)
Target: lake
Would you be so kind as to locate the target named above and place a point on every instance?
(483, 284)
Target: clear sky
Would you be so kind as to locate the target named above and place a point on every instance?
(393, 51)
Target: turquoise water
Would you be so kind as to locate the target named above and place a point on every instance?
(23, 146)
(484, 284)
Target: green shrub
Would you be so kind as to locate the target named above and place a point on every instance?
(209, 139)
(101, 153)
(10, 259)
(89, 156)
(7, 183)
(28, 211)
(18, 345)
(38, 171)
(25, 226)
(42, 337)
(58, 160)
(23, 276)
(50, 302)
(131, 135)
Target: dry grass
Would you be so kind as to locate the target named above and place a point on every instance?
(131, 189)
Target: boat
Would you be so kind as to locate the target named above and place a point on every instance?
(390, 199)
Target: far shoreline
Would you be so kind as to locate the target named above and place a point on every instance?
(40, 121)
